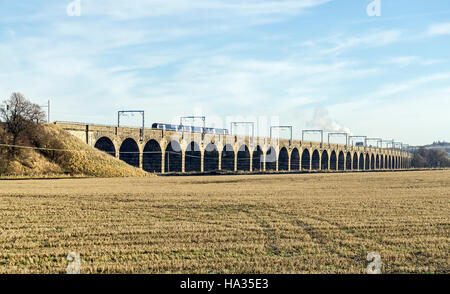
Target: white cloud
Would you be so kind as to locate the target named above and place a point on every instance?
(371, 39)
(415, 118)
(439, 29)
(401, 60)
(340, 43)
(195, 8)
(396, 88)
(404, 61)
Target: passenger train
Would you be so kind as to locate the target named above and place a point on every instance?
(192, 129)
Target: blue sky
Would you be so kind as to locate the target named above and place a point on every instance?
(306, 63)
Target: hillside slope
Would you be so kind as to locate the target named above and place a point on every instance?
(62, 153)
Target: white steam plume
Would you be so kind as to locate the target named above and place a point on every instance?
(322, 120)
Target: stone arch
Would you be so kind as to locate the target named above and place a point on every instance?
(243, 158)
(193, 158)
(355, 161)
(315, 160)
(386, 162)
(306, 160)
(152, 157)
(333, 160)
(361, 161)
(283, 159)
(372, 162)
(341, 161)
(173, 157)
(381, 161)
(228, 158)
(129, 152)
(271, 159)
(211, 158)
(367, 164)
(256, 159)
(295, 159)
(390, 162)
(348, 161)
(324, 161)
(106, 145)
(377, 166)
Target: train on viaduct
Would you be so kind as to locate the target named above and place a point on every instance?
(162, 151)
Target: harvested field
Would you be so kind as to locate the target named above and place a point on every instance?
(303, 223)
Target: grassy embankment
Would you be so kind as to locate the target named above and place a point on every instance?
(77, 160)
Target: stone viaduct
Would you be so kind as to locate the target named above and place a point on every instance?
(162, 151)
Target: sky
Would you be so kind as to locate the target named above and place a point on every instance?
(375, 68)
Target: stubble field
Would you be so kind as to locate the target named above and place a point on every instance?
(304, 223)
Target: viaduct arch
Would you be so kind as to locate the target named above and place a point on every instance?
(160, 151)
(129, 152)
(295, 160)
(211, 158)
(152, 157)
(243, 158)
(105, 144)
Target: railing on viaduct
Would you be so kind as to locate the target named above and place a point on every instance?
(162, 151)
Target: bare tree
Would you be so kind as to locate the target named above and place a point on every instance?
(19, 114)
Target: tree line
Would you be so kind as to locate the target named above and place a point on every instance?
(428, 158)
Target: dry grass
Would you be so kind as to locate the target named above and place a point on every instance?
(317, 223)
(90, 161)
(80, 160)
